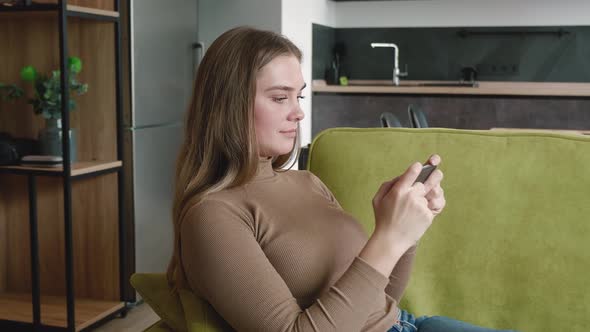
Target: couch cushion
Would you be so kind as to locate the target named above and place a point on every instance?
(200, 315)
(154, 289)
(159, 327)
(511, 249)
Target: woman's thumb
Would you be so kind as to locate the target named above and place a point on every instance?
(385, 188)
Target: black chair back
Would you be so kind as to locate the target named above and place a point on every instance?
(303, 154)
(417, 117)
(388, 120)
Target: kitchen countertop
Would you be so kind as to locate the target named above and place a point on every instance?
(484, 88)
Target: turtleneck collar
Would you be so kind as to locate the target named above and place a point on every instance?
(265, 170)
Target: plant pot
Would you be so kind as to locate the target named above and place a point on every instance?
(50, 139)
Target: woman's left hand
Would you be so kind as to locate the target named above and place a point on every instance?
(434, 192)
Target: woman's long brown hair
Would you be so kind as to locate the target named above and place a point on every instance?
(219, 150)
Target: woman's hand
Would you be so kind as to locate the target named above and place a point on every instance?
(434, 192)
(404, 209)
(401, 209)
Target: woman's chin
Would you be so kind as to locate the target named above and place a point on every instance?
(279, 148)
(283, 150)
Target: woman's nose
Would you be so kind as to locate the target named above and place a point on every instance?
(297, 114)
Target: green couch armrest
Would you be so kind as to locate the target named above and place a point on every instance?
(153, 288)
(159, 326)
(181, 311)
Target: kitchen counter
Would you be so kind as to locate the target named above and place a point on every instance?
(484, 88)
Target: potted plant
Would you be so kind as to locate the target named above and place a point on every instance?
(46, 102)
(10, 92)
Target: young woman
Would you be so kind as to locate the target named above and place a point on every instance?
(272, 250)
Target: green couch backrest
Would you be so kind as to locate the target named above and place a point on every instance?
(512, 247)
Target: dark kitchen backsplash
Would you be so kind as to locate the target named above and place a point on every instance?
(536, 54)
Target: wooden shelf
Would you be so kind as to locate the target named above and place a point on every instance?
(78, 168)
(92, 11)
(72, 10)
(18, 307)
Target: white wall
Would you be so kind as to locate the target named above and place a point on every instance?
(464, 13)
(297, 18)
(218, 16)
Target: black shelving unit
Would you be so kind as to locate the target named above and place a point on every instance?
(64, 11)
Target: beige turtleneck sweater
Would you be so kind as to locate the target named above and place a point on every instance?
(280, 254)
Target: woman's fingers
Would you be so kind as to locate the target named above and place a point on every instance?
(436, 206)
(409, 177)
(435, 192)
(433, 180)
(384, 189)
(385, 186)
(437, 175)
(436, 199)
(434, 160)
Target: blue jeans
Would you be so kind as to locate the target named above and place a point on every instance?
(406, 322)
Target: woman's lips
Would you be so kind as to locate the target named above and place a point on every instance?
(289, 133)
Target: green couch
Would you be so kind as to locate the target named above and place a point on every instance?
(511, 250)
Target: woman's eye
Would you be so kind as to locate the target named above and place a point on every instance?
(279, 99)
(300, 97)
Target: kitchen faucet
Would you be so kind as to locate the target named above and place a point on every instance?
(396, 72)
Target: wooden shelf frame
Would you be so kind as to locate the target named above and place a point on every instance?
(82, 216)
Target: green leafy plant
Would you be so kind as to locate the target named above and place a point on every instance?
(47, 88)
(10, 92)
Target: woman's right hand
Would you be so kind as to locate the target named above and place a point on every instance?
(401, 208)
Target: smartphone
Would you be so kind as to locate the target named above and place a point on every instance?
(425, 173)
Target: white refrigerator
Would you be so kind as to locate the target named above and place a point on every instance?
(162, 57)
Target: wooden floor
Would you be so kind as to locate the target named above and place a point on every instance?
(138, 319)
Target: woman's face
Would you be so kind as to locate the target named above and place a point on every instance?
(276, 105)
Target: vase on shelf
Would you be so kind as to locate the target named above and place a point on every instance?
(50, 139)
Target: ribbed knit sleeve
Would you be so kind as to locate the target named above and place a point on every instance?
(324, 189)
(226, 266)
(400, 276)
